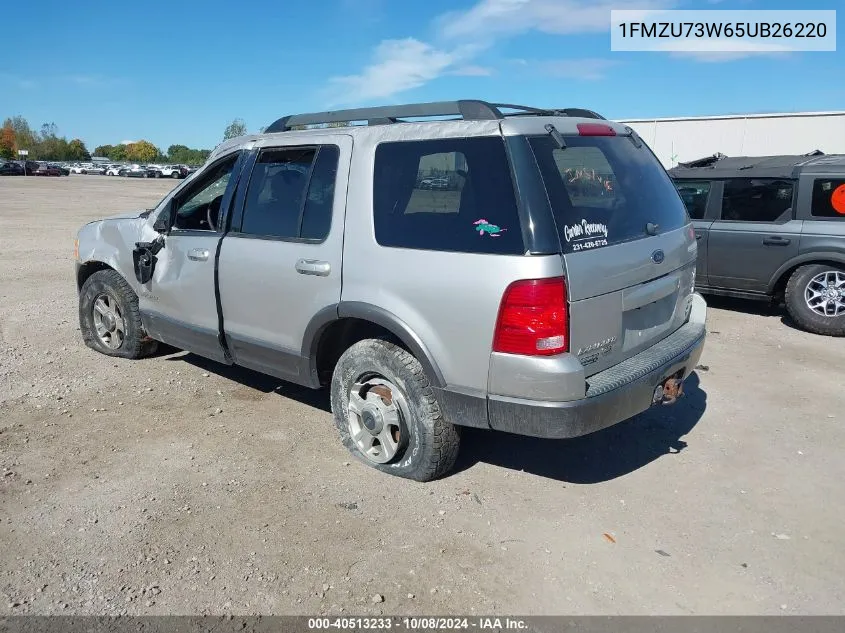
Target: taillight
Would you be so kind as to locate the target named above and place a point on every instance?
(595, 129)
(533, 318)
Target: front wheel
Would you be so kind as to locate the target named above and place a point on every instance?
(387, 412)
(109, 318)
(815, 299)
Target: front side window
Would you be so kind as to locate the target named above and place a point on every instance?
(198, 209)
(291, 193)
(828, 198)
(694, 195)
(446, 195)
(756, 199)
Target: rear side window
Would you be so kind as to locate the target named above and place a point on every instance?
(605, 190)
(694, 195)
(291, 192)
(828, 198)
(756, 199)
(446, 195)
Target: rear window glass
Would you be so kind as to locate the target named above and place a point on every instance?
(828, 198)
(446, 195)
(605, 190)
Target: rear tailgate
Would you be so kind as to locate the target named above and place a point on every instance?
(628, 248)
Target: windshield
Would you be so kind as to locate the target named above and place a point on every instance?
(606, 190)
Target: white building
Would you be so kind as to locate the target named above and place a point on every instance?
(687, 138)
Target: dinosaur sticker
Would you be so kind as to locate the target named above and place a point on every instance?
(483, 226)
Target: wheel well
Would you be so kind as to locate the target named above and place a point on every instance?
(340, 335)
(87, 269)
(779, 289)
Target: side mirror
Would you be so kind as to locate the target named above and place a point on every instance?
(163, 221)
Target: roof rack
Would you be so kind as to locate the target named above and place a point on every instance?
(468, 110)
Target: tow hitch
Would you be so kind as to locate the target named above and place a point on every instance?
(668, 391)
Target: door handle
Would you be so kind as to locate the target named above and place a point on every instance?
(198, 254)
(776, 241)
(313, 267)
(698, 236)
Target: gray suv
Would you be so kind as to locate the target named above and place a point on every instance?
(772, 227)
(547, 291)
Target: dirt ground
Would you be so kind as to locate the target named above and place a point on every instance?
(174, 486)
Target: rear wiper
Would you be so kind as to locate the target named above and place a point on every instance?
(556, 135)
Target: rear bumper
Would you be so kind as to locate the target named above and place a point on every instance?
(613, 395)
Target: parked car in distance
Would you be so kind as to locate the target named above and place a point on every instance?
(138, 171)
(79, 168)
(113, 170)
(11, 168)
(64, 171)
(94, 170)
(171, 171)
(771, 228)
(45, 169)
(519, 305)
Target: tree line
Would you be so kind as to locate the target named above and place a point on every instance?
(46, 144)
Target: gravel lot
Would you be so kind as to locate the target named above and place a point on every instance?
(173, 486)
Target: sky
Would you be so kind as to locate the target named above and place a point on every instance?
(179, 72)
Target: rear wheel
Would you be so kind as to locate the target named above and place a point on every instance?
(387, 413)
(175, 174)
(109, 318)
(815, 299)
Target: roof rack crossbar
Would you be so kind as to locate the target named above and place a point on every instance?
(467, 109)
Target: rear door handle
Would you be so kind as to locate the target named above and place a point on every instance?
(313, 267)
(198, 254)
(776, 241)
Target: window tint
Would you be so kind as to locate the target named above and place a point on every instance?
(605, 190)
(446, 195)
(828, 198)
(317, 216)
(694, 195)
(276, 192)
(756, 199)
(201, 203)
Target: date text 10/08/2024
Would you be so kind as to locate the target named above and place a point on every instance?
(417, 623)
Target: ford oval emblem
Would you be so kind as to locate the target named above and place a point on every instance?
(657, 257)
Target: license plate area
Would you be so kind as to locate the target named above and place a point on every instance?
(669, 389)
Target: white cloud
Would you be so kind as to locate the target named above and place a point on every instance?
(460, 37)
(472, 71)
(708, 50)
(491, 19)
(398, 65)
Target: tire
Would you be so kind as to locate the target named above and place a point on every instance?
(175, 174)
(799, 287)
(109, 283)
(427, 444)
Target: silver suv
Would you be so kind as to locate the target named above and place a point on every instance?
(548, 290)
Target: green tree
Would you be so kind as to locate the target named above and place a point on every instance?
(142, 152)
(103, 150)
(25, 138)
(117, 153)
(76, 150)
(8, 149)
(234, 129)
